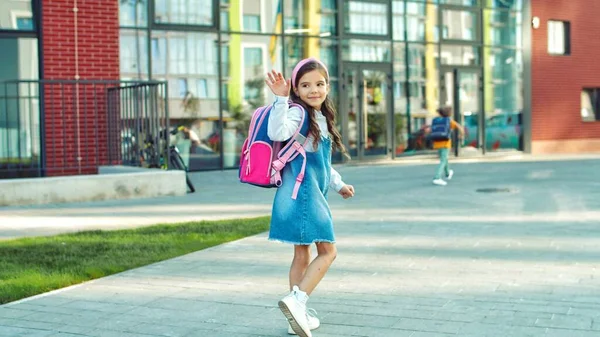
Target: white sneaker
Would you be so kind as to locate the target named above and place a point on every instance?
(450, 174)
(294, 309)
(313, 321)
(439, 182)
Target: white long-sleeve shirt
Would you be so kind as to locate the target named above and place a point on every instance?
(284, 121)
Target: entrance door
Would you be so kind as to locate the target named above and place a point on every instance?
(365, 114)
(462, 89)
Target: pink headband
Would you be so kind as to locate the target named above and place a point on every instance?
(302, 63)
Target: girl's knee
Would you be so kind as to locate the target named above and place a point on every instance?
(327, 250)
(302, 253)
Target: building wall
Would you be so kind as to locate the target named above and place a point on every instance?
(84, 46)
(556, 124)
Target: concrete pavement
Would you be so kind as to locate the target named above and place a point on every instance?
(414, 259)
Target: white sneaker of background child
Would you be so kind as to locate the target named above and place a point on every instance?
(439, 182)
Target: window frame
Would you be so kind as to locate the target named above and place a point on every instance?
(594, 94)
(566, 25)
(32, 33)
(343, 16)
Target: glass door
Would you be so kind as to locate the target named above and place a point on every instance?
(461, 89)
(365, 114)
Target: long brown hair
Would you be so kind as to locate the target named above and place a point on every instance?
(327, 109)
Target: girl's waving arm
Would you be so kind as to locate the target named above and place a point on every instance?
(283, 121)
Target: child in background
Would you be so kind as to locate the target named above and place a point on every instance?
(444, 146)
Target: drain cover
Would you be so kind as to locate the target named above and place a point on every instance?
(496, 190)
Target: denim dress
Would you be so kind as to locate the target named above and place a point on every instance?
(308, 218)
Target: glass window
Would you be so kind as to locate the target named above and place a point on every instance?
(310, 18)
(253, 70)
(559, 40)
(298, 48)
(252, 16)
(251, 23)
(188, 62)
(590, 104)
(20, 118)
(159, 56)
(460, 55)
(190, 53)
(502, 28)
(399, 93)
(182, 87)
(503, 73)
(225, 20)
(25, 23)
(516, 5)
(398, 28)
(253, 57)
(245, 59)
(421, 21)
(459, 25)
(133, 54)
(184, 12)
(423, 79)
(461, 2)
(201, 88)
(133, 13)
(16, 15)
(225, 60)
(366, 51)
(503, 93)
(362, 17)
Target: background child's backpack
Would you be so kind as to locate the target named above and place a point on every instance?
(262, 159)
(440, 129)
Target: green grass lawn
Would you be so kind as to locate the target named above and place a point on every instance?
(32, 266)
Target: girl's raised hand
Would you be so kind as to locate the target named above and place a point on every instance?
(279, 85)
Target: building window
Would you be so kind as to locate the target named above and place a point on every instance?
(24, 23)
(202, 88)
(253, 60)
(252, 23)
(362, 17)
(590, 104)
(559, 39)
(184, 12)
(225, 20)
(182, 86)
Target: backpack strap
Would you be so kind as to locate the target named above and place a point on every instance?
(291, 150)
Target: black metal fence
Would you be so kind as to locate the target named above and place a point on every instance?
(66, 127)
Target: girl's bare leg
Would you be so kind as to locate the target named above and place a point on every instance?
(299, 264)
(327, 252)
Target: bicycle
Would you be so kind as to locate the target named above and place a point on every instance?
(150, 156)
(178, 163)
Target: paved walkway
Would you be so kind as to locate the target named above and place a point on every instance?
(414, 260)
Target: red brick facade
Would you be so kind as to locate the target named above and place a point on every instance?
(94, 56)
(556, 124)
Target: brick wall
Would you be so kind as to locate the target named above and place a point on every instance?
(98, 58)
(558, 80)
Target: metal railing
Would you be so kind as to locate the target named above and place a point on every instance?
(67, 127)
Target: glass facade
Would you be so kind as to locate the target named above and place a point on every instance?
(392, 64)
(19, 118)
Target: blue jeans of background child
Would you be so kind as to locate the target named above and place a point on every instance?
(443, 167)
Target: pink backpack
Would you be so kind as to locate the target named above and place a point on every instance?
(262, 159)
